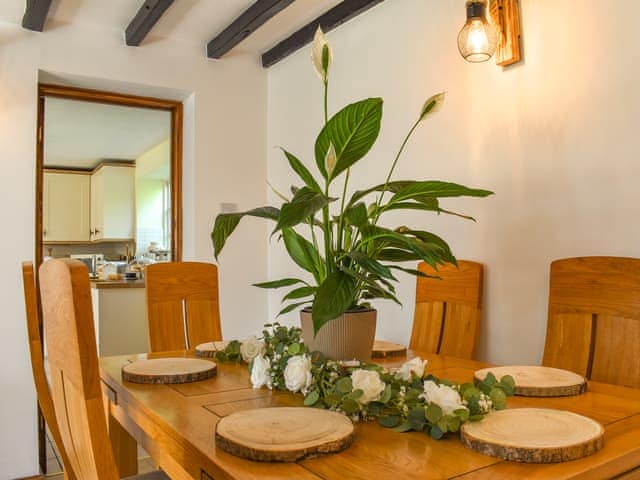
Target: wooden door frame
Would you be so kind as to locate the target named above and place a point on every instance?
(98, 96)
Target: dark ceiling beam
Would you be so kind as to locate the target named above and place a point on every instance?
(248, 22)
(36, 14)
(341, 13)
(145, 20)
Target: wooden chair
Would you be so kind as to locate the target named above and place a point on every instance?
(75, 378)
(448, 310)
(37, 363)
(594, 318)
(182, 305)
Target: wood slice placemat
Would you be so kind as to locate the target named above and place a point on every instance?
(168, 370)
(209, 349)
(382, 349)
(535, 381)
(283, 434)
(534, 435)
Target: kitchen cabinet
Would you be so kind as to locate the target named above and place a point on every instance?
(113, 202)
(66, 210)
(120, 321)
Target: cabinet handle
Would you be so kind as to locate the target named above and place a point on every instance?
(44, 232)
(92, 232)
(97, 231)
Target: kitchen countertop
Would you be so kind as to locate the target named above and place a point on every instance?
(117, 284)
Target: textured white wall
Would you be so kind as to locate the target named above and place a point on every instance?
(554, 136)
(225, 134)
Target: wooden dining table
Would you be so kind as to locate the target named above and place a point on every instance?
(176, 425)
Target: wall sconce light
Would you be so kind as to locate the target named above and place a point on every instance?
(480, 38)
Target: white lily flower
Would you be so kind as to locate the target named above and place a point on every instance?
(321, 54)
(330, 159)
(432, 105)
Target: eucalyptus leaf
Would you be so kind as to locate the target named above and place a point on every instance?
(312, 398)
(389, 421)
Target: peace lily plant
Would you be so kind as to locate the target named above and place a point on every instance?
(348, 252)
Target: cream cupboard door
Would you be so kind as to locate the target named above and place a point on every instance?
(97, 200)
(113, 203)
(66, 210)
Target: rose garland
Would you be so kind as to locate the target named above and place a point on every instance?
(403, 399)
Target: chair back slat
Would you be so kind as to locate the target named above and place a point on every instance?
(427, 326)
(182, 305)
(37, 362)
(460, 331)
(594, 318)
(73, 363)
(448, 309)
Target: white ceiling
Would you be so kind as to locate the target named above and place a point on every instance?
(81, 134)
(193, 21)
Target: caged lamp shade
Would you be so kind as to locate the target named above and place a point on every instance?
(477, 38)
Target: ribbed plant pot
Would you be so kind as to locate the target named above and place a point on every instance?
(347, 337)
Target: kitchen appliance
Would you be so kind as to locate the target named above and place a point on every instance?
(91, 260)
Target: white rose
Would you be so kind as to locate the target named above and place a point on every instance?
(447, 398)
(251, 348)
(415, 365)
(297, 373)
(370, 383)
(260, 372)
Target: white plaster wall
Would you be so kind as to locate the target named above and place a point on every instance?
(554, 136)
(224, 156)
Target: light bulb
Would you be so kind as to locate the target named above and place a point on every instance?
(477, 39)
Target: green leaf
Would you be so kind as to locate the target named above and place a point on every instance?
(436, 433)
(397, 255)
(312, 398)
(490, 380)
(376, 290)
(386, 394)
(353, 131)
(344, 385)
(356, 215)
(462, 414)
(386, 187)
(433, 413)
(226, 223)
(291, 307)
(334, 297)
(508, 384)
(498, 398)
(371, 265)
(350, 406)
(389, 421)
(416, 418)
(436, 189)
(403, 427)
(294, 349)
(302, 172)
(300, 292)
(411, 271)
(302, 252)
(285, 282)
(303, 205)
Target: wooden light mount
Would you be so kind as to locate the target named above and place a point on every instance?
(505, 16)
